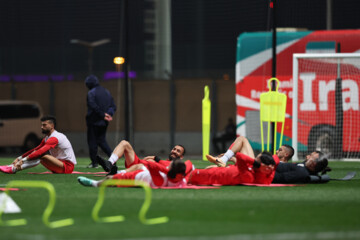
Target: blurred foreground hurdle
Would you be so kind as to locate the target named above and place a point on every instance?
(48, 210)
(120, 218)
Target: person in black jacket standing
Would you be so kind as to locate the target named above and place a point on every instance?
(300, 172)
(101, 108)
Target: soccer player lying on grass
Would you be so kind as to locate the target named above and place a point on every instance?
(155, 174)
(285, 172)
(61, 158)
(246, 170)
(300, 172)
(124, 148)
(242, 145)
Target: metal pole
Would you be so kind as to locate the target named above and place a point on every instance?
(118, 102)
(214, 120)
(126, 64)
(328, 14)
(90, 60)
(51, 98)
(339, 111)
(273, 86)
(172, 111)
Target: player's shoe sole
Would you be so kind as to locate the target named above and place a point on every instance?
(85, 181)
(215, 161)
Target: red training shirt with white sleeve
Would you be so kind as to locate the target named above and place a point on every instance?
(57, 144)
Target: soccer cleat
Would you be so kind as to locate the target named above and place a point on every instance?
(85, 181)
(113, 170)
(93, 165)
(106, 165)
(7, 169)
(215, 161)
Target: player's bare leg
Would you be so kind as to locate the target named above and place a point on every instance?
(241, 144)
(124, 148)
(94, 183)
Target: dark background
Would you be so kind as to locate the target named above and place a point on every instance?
(35, 35)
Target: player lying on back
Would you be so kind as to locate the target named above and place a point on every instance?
(285, 172)
(246, 170)
(61, 158)
(314, 163)
(125, 149)
(155, 174)
(242, 145)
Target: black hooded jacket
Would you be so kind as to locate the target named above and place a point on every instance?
(99, 102)
(291, 173)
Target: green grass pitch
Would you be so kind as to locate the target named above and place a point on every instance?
(313, 211)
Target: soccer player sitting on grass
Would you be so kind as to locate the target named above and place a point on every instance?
(246, 170)
(124, 148)
(153, 173)
(61, 158)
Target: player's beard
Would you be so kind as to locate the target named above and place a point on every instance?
(45, 131)
(171, 158)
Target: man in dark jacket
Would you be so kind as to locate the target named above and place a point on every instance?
(300, 172)
(101, 108)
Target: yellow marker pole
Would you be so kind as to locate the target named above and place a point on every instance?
(48, 210)
(120, 218)
(206, 119)
(272, 109)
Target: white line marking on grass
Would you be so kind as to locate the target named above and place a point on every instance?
(270, 236)
(343, 235)
(30, 236)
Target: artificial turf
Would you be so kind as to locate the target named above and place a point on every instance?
(312, 211)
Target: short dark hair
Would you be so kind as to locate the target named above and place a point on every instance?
(321, 162)
(290, 150)
(177, 166)
(266, 158)
(50, 118)
(182, 147)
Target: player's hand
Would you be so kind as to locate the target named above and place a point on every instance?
(18, 164)
(151, 158)
(267, 169)
(108, 117)
(16, 160)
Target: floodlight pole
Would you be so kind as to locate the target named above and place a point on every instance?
(126, 71)
(90, 46)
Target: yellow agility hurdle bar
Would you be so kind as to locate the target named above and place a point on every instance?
(48, 210)
(120, 218)
(206, 119)
(272, 109)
